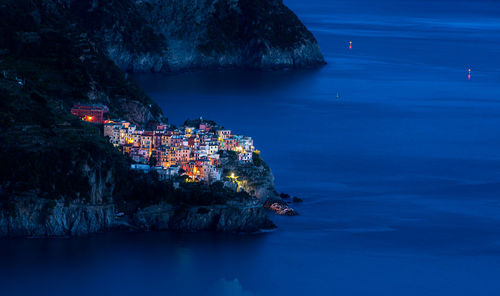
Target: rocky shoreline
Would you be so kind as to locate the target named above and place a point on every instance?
(235, 217)
(36, 217)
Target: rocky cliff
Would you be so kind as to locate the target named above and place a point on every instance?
(256, 179)
(232, 217)
(30, 216)
(174, 35)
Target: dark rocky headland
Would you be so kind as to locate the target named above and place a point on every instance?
(59, 175)
(173, 35)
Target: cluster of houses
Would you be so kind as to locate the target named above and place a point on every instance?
(192, 150)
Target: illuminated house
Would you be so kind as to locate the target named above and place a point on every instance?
(147, 139)
(192, 170)
(90, 112)
(182, 155)
(245, 157)
(161, 126)
(161, 156)
(246, 143)
(191, 142)
(224, 134)
(230, 144)
(204, 126)
(213, 147)
(160, 139)
(176, 141)
(112, 131)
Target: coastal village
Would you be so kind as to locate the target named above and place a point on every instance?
(192, 150)
(189, 150)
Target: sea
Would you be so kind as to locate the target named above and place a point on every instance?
(399, 173)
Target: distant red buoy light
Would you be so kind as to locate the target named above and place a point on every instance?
(468, 74)
(350, 44)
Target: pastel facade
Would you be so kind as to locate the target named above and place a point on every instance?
(224, 134)
(196, 150)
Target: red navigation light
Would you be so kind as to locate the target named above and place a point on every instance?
(350, 44)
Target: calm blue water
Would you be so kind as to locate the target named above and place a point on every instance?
(400, 177)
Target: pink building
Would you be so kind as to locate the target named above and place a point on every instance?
(182, 155)
(176, 141)
(230, 144)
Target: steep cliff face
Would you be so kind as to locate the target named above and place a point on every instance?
(173, 35)
(30, 216)
(257, 180)
(254, 178)
(234, 217)
(118, 28)
(262, 34)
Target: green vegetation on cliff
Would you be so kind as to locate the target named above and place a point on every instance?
(234, 25)
(254, 178)
(47, 64)
(120, 19)
(49, 153)
(58, 61)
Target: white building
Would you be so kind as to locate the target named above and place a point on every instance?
(140, 167)
(245, 157)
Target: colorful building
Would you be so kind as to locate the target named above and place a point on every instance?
(224, 134)
(195, 150)
(90, 112)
